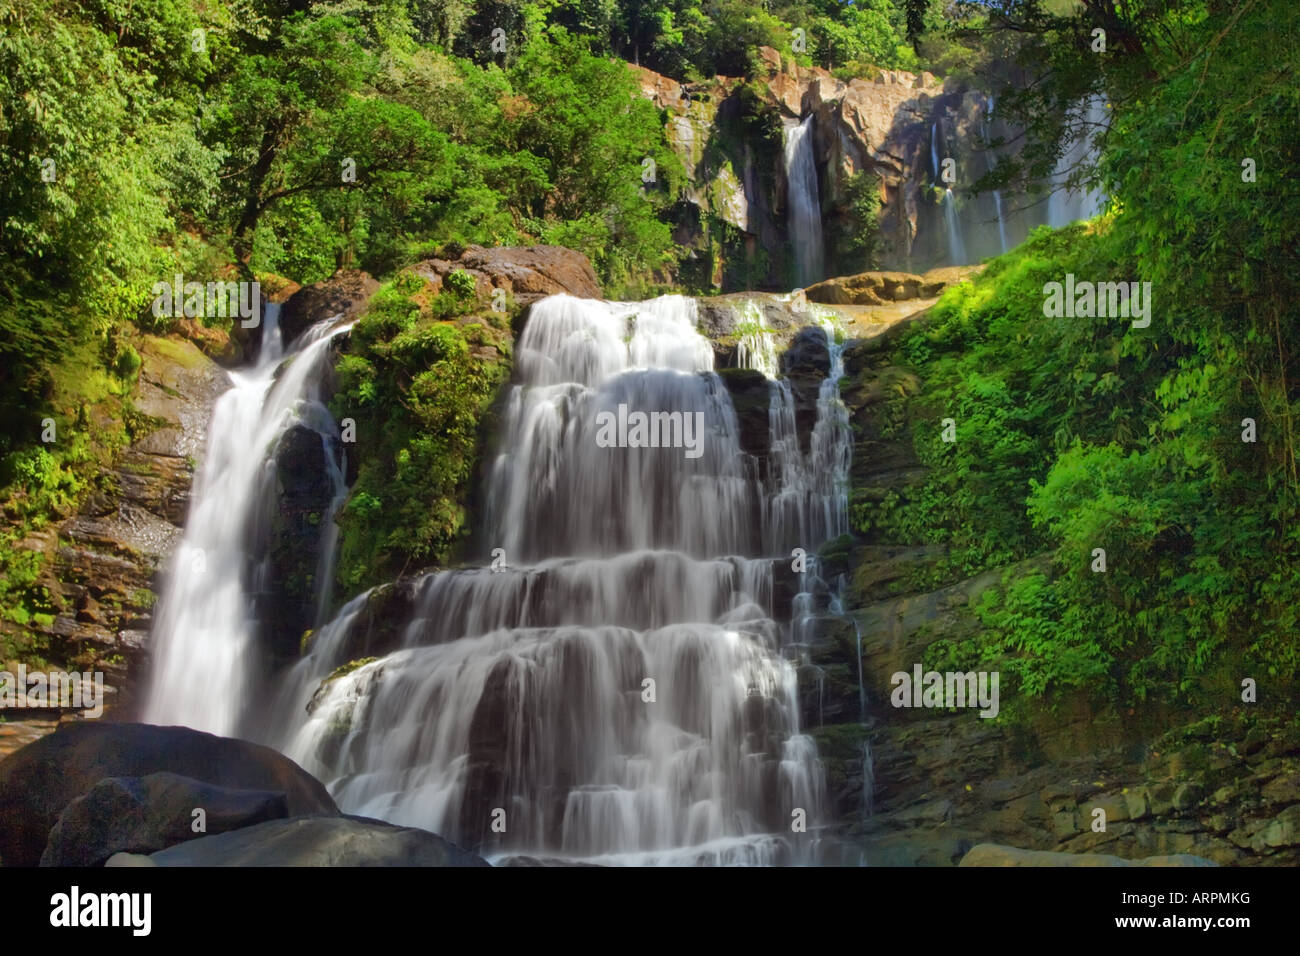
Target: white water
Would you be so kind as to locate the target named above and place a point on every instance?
(203, 636)
(956, 247)
(990, 163)
(1088, 119)
(803, 199)
(524, 690)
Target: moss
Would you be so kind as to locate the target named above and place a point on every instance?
(344, 669)
(420, 387)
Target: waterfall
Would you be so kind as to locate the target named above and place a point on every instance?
(617, 692)
(203, 637)
(989, 165)
(1066, 206)
(804, 202)
(956, 248)
(934, 149)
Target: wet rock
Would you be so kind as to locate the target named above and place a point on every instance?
(295, 534)
(319, 841)
(751, 396)
(38, 782)
(145, 814)
(345, 293)
(805, 364)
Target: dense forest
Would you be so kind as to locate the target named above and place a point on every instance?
(285, 141)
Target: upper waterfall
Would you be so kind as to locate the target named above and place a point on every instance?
(804, 201)
(204, 654)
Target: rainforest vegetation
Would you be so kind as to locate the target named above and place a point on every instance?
(141, 139)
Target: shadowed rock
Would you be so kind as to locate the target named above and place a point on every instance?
(38, 782)
(145, 814)
(316, 841)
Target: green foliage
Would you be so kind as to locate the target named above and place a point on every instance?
(854, 235)
(419, 388)
(460, 282)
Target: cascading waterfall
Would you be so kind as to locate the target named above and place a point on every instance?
(956, 248)
(1066, 206)
(203, 638)
(617, 692)
(990, 164)
(934, 150)
(804, 202)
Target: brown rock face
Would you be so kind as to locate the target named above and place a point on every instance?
(528, 273)
(103, 560)
(879, 288)
(344, 293)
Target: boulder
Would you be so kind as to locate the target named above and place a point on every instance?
(528, 273)
(345, 293)
(866, 288)
(993, 854)
(38, 782)
(317, 841)
(145, 814)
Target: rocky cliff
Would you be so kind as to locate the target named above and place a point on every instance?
(889, 131)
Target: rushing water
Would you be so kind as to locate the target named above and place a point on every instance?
(804, 201)
(616, 691)
(1064, 206)
(205, 653)
(956, 247)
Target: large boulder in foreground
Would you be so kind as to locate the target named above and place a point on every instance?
(314, 841)
(38, 782)
(994, 854)
(345, 293)
(146, 814)
(528, 273)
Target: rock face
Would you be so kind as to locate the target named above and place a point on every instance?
(104, 560)
(893, 126)
(528, 273)
(344, 293)
(38, 782)
(145, 814)
(805, 364)
(317, 841)
(991, 854)
(297, 535)
(926, 786)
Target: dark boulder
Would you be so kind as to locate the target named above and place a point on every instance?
(296, 532)
(318, 841)
(345, 293)
(38, 782)
(145, 814)
(751, 397)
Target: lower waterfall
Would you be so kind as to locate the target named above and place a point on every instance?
(613, 688)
